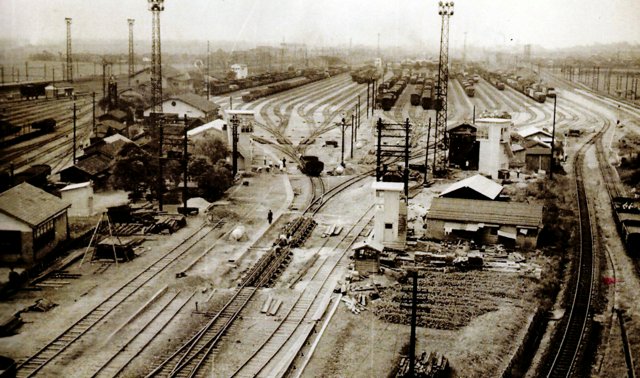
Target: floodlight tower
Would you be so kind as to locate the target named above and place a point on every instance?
(132, 67)
(445, 10)
(156, 6)
(69, 61)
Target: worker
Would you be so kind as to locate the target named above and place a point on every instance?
(518, 173)
(270, 216)
(284, 162)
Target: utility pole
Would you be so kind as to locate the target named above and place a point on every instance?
(426, 156)
(405, 173)
(353, 123)
(445, 10)
(553, 138)
(157, 122)
(26, 71)
(185, 164)
(234, 157)
(69, 60)
(93, 99)
(343, 125)
(379, 150)
(74, 131)
(132, 64)
(206, 77)
(368, 85)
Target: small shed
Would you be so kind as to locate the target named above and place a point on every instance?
(537, 155)
(366, 255)
(80, 196)
(92, 168)
(474, 187)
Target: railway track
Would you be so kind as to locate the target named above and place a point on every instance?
(567, 354)
(46, 355)
(272, 358)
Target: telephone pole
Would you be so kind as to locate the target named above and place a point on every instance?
(69, 61)
(132, 65)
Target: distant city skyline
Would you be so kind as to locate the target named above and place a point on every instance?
(404, 23)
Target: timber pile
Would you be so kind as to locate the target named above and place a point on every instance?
(459, 298)
(428, 365)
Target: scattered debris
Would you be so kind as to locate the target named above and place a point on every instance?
(427, 365)
(42, 305)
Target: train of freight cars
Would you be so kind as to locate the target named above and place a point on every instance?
(280, 87)
(365, 74)
(11, 134)
(467, 82)
(424, 93)
(626, 213)
(218, 88)
(527, 86)
(390, 90)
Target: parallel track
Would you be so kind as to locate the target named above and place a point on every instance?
(71, 335)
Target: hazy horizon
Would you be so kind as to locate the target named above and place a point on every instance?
(406, 23)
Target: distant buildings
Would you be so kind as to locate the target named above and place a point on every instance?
(240, 70)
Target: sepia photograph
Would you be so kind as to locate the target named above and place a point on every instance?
(330, 189)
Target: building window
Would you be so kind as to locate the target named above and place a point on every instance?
(388, 226)
(43, 234)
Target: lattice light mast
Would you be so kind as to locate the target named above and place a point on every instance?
(69, 68)
(132, 65)
(156, 6)
(445, 10)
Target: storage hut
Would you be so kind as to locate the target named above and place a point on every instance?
(32, 223)
(485, 222)
(464, 150)
(366, 255)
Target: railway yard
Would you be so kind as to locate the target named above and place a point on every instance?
(315, 222)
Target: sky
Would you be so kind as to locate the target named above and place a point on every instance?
(404, 23)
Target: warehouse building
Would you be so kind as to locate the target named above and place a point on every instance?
(189, 105)
(485, 222)
(32, 223)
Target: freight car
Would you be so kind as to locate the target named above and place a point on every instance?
(6, 128)
(37, 128)
(416, 95)
(427, 98)
(32, 91)
(626, 213)
(279, 87)
(311, 165)
(44, 126)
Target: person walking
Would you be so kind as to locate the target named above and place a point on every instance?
(270, 216)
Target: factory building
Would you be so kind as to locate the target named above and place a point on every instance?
(485, 222)
(32, 223)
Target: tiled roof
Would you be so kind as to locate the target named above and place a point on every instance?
(492, 212)
(196, 101)
(94, 164)
(30, 204)
(478, 183)
(528, 131)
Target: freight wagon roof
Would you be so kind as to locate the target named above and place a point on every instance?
(492, 212)
(30, 204)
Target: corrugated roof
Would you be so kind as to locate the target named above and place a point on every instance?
(196, 101)
(528, 131)
(478, 183)
(492, 212)
(76, 186)
(30, 204)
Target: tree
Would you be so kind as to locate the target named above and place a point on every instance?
(213, 148)
(198, 165)
(135, 170)
(215, 181)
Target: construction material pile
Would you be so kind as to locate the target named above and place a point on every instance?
(140, 219)
(299, 230)
(453, 299)
(428, 365)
